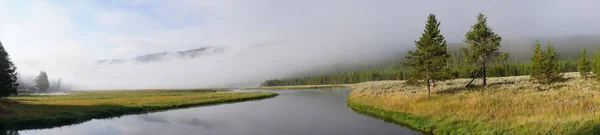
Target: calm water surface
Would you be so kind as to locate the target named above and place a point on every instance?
(293, 112)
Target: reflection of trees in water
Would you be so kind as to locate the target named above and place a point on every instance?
(9, 132)
(336, 94)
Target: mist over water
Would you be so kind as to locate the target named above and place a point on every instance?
(265, 39)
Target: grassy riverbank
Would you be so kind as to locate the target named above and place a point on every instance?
(40, 111)
(510, 105)
(299, 87)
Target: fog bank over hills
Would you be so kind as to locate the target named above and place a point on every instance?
(241, 66)
(146, 44)
(222, 66)
(155, 57)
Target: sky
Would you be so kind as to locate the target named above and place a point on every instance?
(106, 29)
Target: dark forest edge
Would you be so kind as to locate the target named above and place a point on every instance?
(457, 71)
(291, 87)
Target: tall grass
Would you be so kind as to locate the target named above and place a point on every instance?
(511, 105)
(41, 111)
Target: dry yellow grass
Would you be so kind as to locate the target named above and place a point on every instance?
(510, 104)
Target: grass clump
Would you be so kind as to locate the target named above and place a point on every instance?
(42, 111)
(509, 105)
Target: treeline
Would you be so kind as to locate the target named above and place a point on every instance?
(434, 60)
(41, 83)
(341, 78)
(496, 70)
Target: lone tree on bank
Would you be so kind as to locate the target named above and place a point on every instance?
(483, 46)
(428, 62)
(41, 82)
(8, 74)
(584, 65)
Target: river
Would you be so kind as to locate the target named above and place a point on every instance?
(293, 112)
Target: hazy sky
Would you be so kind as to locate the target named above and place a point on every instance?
(125, 28)
(92, 30)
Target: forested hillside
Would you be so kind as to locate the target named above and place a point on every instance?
(516, 62)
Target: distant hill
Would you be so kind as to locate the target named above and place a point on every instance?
(156, 57)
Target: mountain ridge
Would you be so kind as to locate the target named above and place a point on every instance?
(162, 56)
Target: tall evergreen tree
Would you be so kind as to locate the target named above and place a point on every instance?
(596, 64)
(537, 61)
(483, 46)
(41, 82)
(8, 74)
(545, 66)
(428, 62)
(583, 65)
(553, 72)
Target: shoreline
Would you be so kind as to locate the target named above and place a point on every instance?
(329, 86)
(511, 105)
(103, 110)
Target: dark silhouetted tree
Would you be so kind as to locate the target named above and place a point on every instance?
(429, 61)
(8, 74)
(41, 82)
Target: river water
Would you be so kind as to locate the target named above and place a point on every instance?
(293, 112)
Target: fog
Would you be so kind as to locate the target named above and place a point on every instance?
(265, 39)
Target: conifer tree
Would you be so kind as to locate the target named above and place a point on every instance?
(483, 46)
(596, 64)
(583, 65)
(537, 60)
(41, 82)
(8, 74)
(553, 73)
(428, 62)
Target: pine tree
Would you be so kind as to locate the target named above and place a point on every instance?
(428, 62)
(596, 64)
(553, 73)
(583, 65)
(537, 60)
(8, 74)
(483, 46)
(41, 82)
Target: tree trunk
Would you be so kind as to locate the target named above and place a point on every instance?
(474, 77)
(428, 83)
(428, 88)
(484, 74)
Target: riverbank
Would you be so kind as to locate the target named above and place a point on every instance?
(509, 105)
(300, 87)
(42, 111)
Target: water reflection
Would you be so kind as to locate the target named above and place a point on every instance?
(293, 112)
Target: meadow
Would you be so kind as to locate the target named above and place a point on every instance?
(42, 111)
(509, 105)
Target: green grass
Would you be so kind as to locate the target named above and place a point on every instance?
(42, 111)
